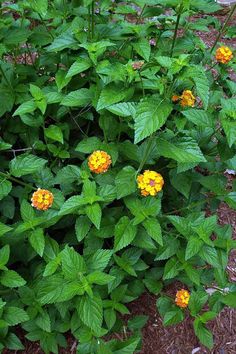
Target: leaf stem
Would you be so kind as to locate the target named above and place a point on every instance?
(223, 27)
(13, 179)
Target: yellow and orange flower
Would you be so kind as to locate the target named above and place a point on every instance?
(182, 298)
(99, 161)
(187, 99)
(42, 199)
(223, 55)
(150, 183)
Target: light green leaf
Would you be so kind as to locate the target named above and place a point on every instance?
(4, 229)
(125, 232)
(204, 335)
(143, 48)
(37, 241)
(72, 263)
(72, 204)
(111, 95)
(54, 132)
(80, 65)
(193, 247)
(15, 315)
(4, 255)
(78, 98)
(125, 182)
(198, 117)
(25, 107)
(11, 279)
(64, 40)
(5, 187)
(151, 115)
(94, 213)
(99, 260)
(26, 164)
(82, 227)
(90, 312)
(88, 145)
(124, 109)
(153, 229)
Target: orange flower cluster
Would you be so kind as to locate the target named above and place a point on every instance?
(223, 55)
(150, 183)
(187, 99)
(182, 298)
(99, 161)
(42, 199)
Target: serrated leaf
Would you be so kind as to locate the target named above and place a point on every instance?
(78, 98)
(72, 205)
(111, 95)
(37, 241)
(15, 315)
(80, 65)
(82, 227)
(193, 247)
(125, 182)
(94, 213)
(198, 117)
(124, 109)
(125, 232)
(64, 40)
(204, 335)
(5, 187)
(4, 229)
(88, 145)
(54, 132)
(153, 229)
(26, 164)
(25, 107)
(173, 317)
(72, 263)
(90, 312)
(11, 279)
(99, 260)
(150, 116)
(43, 321)
(4, 255)
(143, 48)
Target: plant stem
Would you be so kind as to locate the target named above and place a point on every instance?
(176, 30)
(223, 27)
(7, 176)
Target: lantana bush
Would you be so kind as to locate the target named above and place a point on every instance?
(117, 124)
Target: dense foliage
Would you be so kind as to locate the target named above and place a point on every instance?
(143, 100)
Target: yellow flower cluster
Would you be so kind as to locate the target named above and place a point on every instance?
(42, 199)
(99, 161)
(223, 55)
(150, 183)
(187, 99)
(182, 298)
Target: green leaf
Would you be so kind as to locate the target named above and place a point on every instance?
(99, 260)
(192, 273)
(151, 115)
(5, 187)
(90, 312)
(61, 80)
(78, 98)
(40, 6)
(72, 263)
(12, 342)
(230, 199)
(230, 130)
(54, 132)
(80, 65)
(82, 227)
(11, 279)
(26, 164)
(88, 145)
(173, 317)
(197, 301)
(137, 322)
(125, 182)
(72, 205)
(99, 278)
(171, 268)
(183, 150)
(37, 241)
(198, 117)
(209, 254)
(4, 229)
(94, 213)
(125, 232)
(204, 335)
(143, 48)
(153, 229)
(193, 247)
(200, 79)
(43, 321)
(229, 299)
(14, 315)
(25, 107)
(26, 211)
(111, 95)
(124, 109)
(4, 255)
(64, 40)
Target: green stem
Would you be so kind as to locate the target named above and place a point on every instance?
(7, 176)
(223, 27)
(176, 30)
(141, 13)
